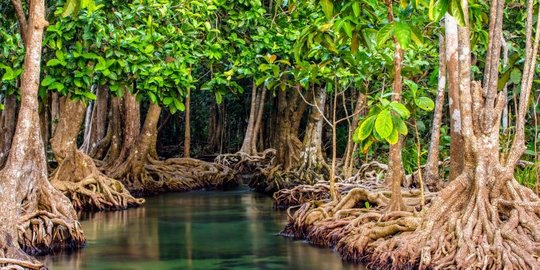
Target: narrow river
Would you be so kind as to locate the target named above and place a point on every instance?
(198, 230)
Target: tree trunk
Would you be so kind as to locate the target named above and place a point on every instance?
(454, 79)
(247, 145)
(108, 148)
(361, 102)
(257, 136)
(187, 126)
(77, 176)
(431, 171)
(395, 174)
(289, 116)
(98, 121)
(34, 216)
(7, 126)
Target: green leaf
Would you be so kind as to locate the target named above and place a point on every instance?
(425, 103)
(437, 9)
(356, 8)
(393, 137)
(70, 7)
(348, 28)
(167, 100)
(90, 95)
(48, 80)
(366, 128)
(219, 97)
(152, 97)
(328, 8)
(179, 105)
(403, 34)
(384, 34)
(515, 76)
(400, 109)
(400, 125)
(55, 62)
(456, 10)
(370, 37)
(383, 124)
(416, 36)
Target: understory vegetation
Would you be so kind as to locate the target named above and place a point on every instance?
(403, 134)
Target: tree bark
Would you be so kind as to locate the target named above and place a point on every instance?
(361, 102)
(395, 174)
(289, 115)
(7, 126)
(257, 136)
(98, 121)
(247, 145)
(431, 171)
(454, 79)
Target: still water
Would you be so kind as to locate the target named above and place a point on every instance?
(198, 230)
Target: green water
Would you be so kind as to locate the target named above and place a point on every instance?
(199, 230)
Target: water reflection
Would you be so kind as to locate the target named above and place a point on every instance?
(210, 230)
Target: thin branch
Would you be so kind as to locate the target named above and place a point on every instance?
(23, 24)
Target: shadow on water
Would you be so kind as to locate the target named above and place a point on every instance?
(198, 230)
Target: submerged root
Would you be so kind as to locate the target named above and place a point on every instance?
(88, 188)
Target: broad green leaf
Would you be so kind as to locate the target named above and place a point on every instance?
(456, 10)
(90, 95)
(400, 125)
(70, 7)
(167, 100)
(55, 62)
(179, 105)
(393, 137)
(515, 76)
(356, 8)
(384, 34)
(403, 34)
(366, 128)
(219, 97)
(400, 109)
(47, 81)
(425, 103)
(366, 146)
(328, 8)
(383, 124)
(437, 9)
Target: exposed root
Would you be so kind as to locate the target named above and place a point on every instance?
(465, 227)
(177, 175)
(88, 188)
(369, 177)
(13, 258)
(252, 168)
(49, 225)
